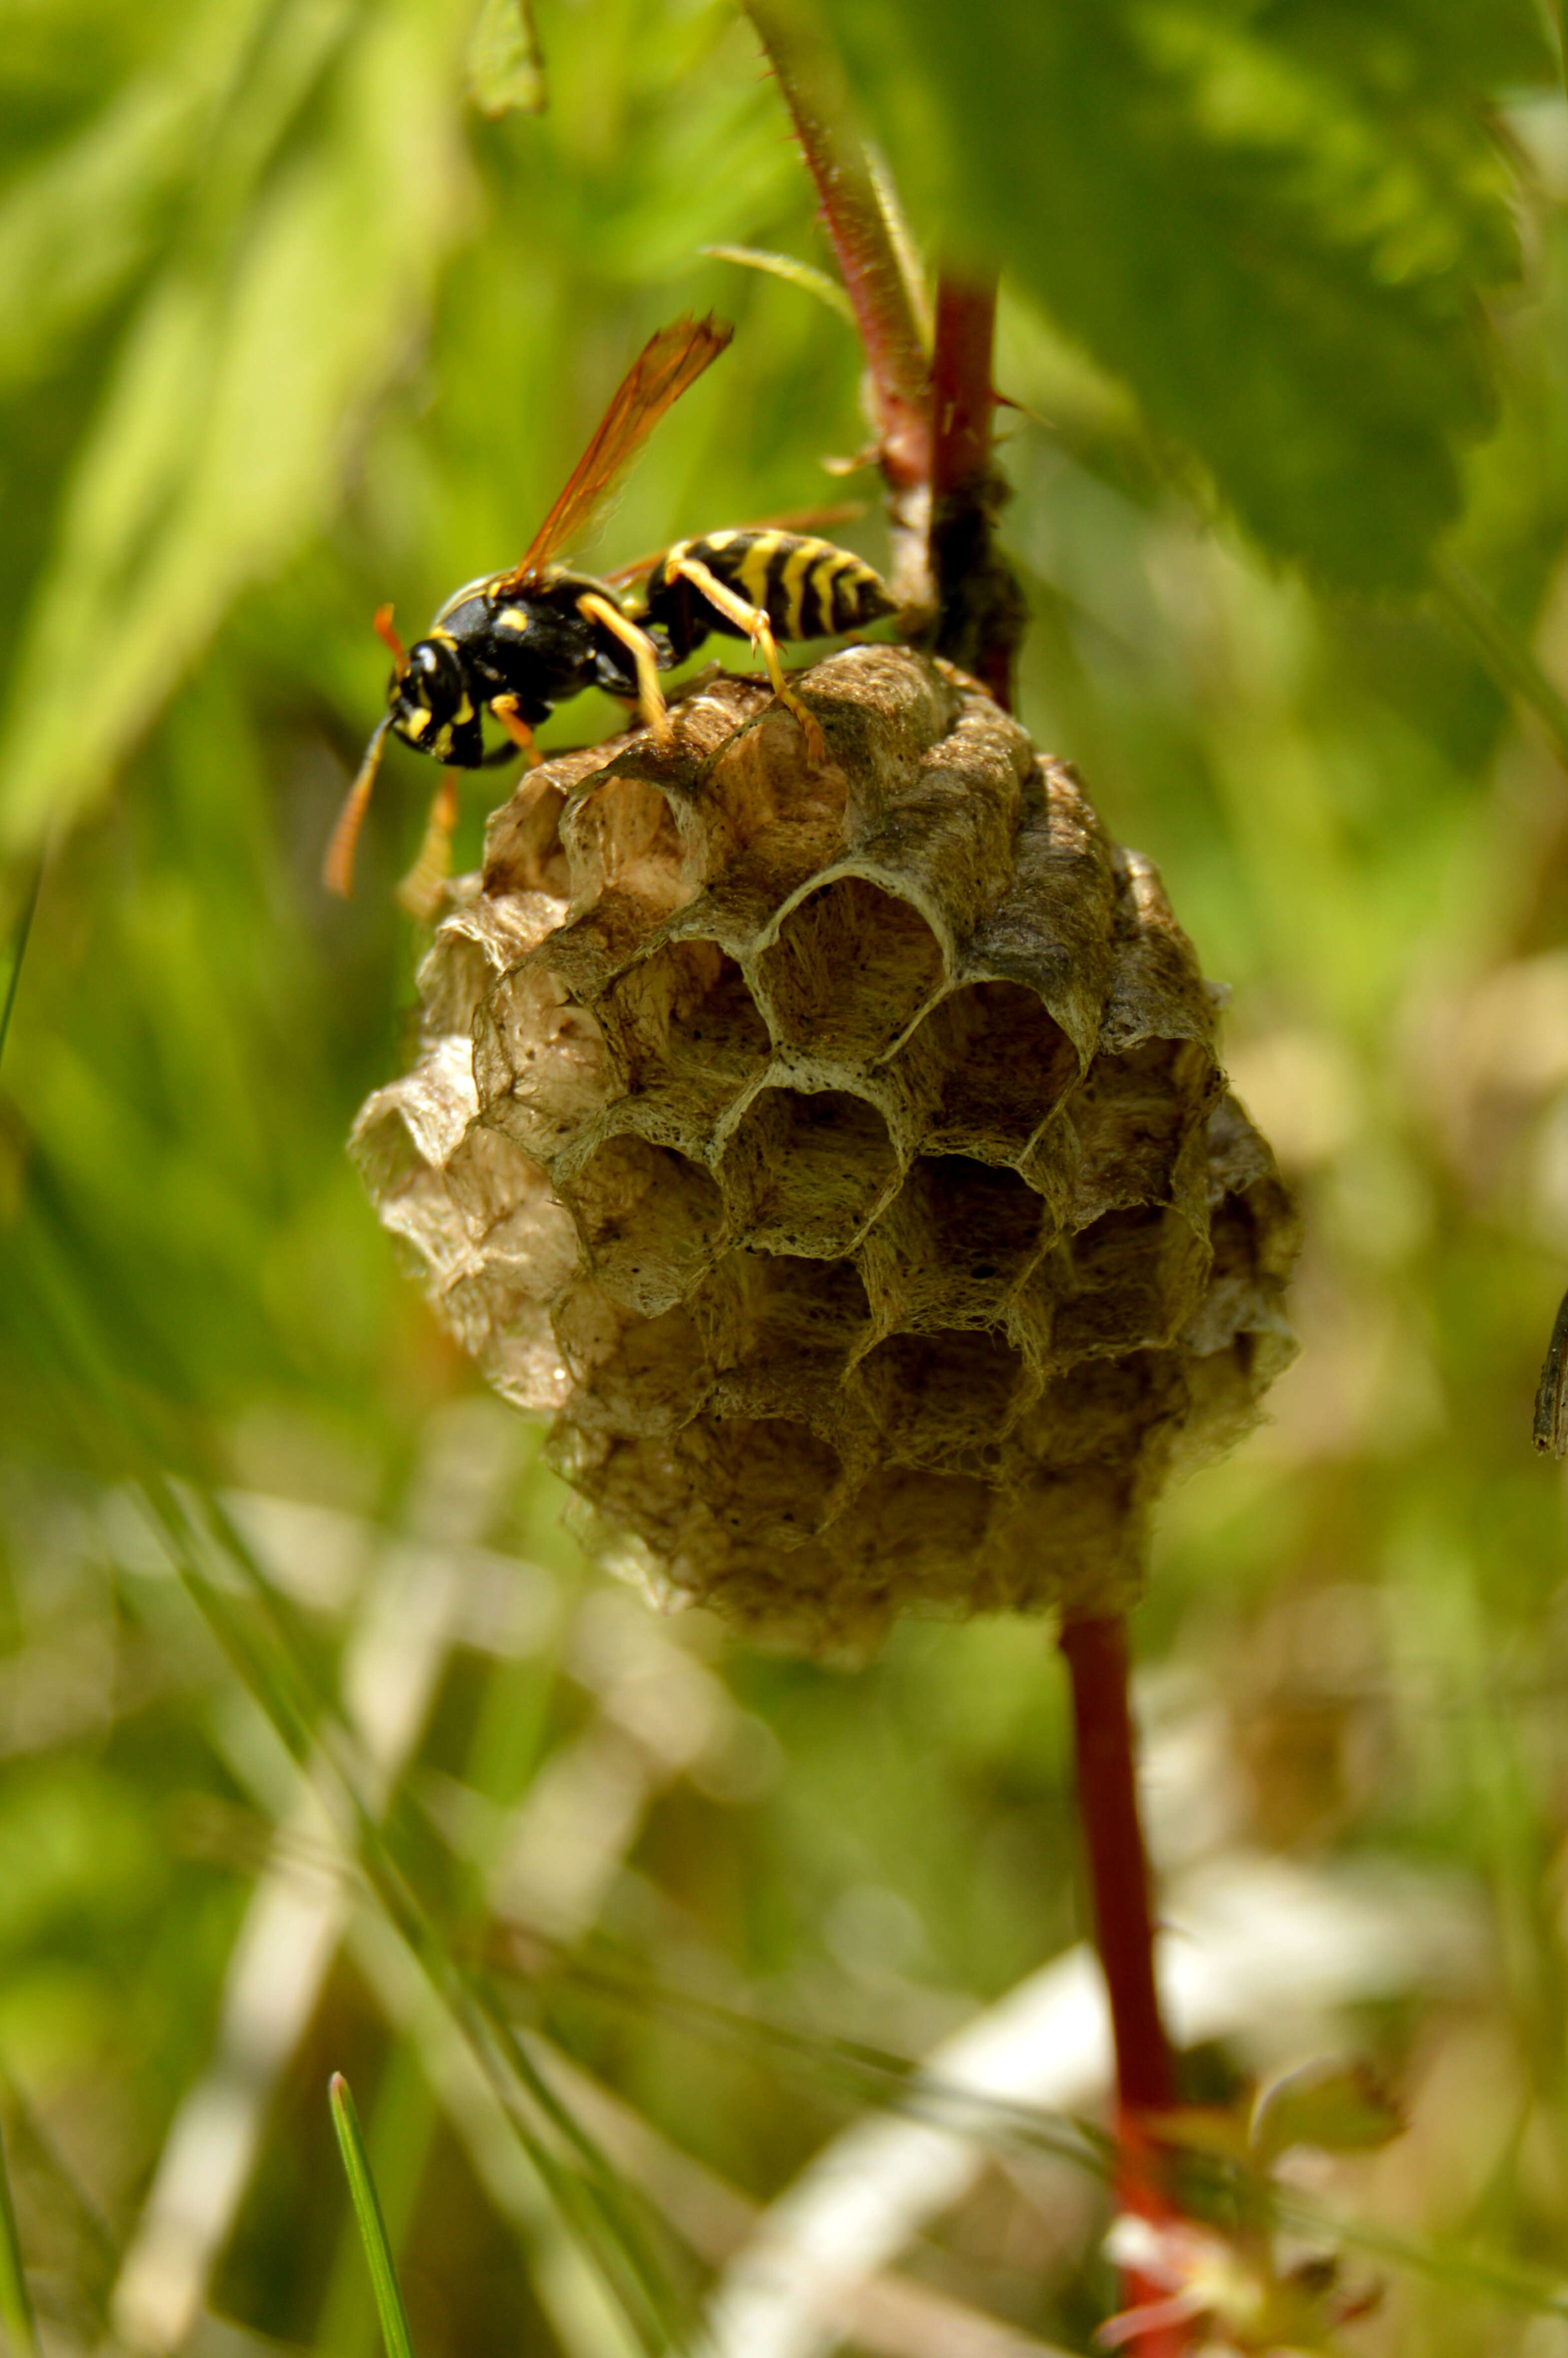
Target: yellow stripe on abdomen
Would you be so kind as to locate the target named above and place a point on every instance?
(798, 566)
(755, 574)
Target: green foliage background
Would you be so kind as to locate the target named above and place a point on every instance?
(293, 326)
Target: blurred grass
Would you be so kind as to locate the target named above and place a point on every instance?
(293, 329)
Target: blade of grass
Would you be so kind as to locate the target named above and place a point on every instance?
(304, 1716)
(280, 1675)
(389, 2307)
(16, 2315)
(403, 2122)
(592, 2197)
(867, 2074)
(19, 948)
(1466, 2267)
(68, 2203)
(479, 2013)
(63, 1295)
(1500, 648)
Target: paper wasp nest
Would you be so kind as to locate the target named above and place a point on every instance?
(840, 1157)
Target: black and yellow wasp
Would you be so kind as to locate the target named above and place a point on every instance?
(514, 644)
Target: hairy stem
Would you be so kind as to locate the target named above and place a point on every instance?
(863, 244)
(1096, 1655)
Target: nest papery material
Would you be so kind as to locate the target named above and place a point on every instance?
(838, 1155)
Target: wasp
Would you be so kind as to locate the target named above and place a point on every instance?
(511, 646)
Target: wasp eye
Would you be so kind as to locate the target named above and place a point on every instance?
(433, 683)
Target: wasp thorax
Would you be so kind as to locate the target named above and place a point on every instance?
(837, 1152)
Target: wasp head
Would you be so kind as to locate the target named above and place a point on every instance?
(429, 706)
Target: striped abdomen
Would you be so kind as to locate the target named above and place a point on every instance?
(807, 588)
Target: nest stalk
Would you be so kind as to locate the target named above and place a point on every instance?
(978, 619)
(981, 617)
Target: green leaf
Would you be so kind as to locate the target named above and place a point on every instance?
(1209, 2129)
(804, 274)
(373, 2227)
(234, 404)
(77, 227)
(504, 68)
(1271, 221)
(1338, 2107)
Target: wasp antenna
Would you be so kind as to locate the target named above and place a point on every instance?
(389, 638)
(338, 866)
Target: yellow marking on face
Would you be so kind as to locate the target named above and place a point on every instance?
(464, 712)
(791, 583)
(415, 723)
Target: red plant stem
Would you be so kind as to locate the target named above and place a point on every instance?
(980, 611)
(961, 395)
(1096, 1655)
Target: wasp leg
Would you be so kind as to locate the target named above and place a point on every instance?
(505, 710)
(338, 865)
(754, 621)
(645, 656)
(420, 890)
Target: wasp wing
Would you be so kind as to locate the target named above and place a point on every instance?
(666, 365)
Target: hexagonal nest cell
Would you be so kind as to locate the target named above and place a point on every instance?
(839, 1156)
